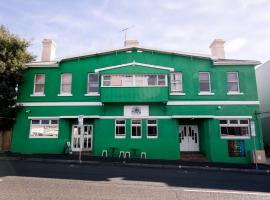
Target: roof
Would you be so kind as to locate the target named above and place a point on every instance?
(141, 48)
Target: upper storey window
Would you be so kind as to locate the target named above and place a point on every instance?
(39, 84)
(66, 81)
(205, 83)
(176, 82)
(93, 83)
(233, 82)
(132, 80)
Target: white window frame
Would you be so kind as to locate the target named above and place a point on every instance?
(135, 125)
(238, 84)
(177, 92)
(39, 93)
(61, 91)
(147, 125)
(87, 87)
(40, 124)
(134, 81)
(228, 124)
(118, 125)
(210, 84)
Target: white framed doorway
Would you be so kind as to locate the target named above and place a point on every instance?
(189, 138)
(88, 138)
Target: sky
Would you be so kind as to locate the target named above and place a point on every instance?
(92, 25)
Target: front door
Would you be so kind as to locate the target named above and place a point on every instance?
(88, 134)
(189, 138)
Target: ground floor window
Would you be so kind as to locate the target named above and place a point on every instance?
(120, 128)
(136, 128)
(152, 131)
(44, 128)
(234, 128)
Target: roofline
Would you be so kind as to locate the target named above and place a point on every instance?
(236, 62)
(43, 64)
(133, 64)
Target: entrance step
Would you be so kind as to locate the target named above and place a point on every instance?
(193, 156)
(83, 153)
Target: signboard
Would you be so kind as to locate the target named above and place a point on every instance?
(136, 111)
(44, 131)
(236, 148)
(252, 128)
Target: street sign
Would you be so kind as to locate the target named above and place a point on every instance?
(252, 128)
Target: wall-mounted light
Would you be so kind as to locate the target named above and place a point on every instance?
(28, 111)
(219, 107)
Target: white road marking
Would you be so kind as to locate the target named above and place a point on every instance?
(227, 192)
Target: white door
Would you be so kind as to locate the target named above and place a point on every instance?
(189, 138)
(88, 134)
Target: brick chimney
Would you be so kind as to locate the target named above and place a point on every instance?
(131, 43)
(217, 49)
(48, 50)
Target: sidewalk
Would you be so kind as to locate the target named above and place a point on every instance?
(172, 164)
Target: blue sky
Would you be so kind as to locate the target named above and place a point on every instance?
(84, 25)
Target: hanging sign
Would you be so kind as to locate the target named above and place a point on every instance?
(252, 129)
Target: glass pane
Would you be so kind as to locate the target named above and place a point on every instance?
(234, 131)
(54, 121)
(233, 87)
(233, 121)
(39, 88)
(176, 76)
(40, 78)
(161, 79)
(232, 77)
(45, 121)
(127, 80)
(152, 121)
(243, 121)
(66, 88)
(204, 76)
(141, 80)
(204, 86)
(35, 121)
(223, 122)
(66, 78)
(136, 121)
(116, 80)
(152, 80)
(120, 130)
(152, 130)
(93, 83)
(120, 121)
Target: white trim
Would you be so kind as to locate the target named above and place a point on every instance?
(87, 86)
(60, 103)
(121, 125)
(37, 95)
(65, 95)
(61, 85)
(154, 125)
(133, 64)
(182, 103)
(206, 93)
(233, 117)
(236, 62)
(235, 93)
(177, 93)
(236, 137)
(209, 82)
(238, 82)
(95, 94)
(133, 117)
(193, 116)
(42, 64)
(50, 117)
(76, 117)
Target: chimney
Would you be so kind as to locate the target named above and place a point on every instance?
(48, 50)
(217, 49)
(131, 43)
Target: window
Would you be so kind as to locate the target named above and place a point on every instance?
(234, 128)
(44, 128)
(120, 128)
(39, 84)
(132, 80)
(66, 80)
(152, 128)
(136, 128)
(204, 79)
(176, 82)
(93, 83)
(233, 82)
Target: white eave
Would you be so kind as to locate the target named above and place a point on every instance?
(236, 62)
(135, 64)
(42, 64)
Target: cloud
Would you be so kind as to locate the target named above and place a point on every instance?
(235, 45)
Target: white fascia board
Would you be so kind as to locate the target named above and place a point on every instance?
(233, 117)
(241, 63)
(133, 64)
(193, 116)
(60, 103)
(40, 117)
(182, 103)
(42, 64)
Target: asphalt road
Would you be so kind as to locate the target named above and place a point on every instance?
(34, 180)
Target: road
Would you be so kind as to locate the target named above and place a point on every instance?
(34, 180)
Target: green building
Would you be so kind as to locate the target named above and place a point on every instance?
(135, 100)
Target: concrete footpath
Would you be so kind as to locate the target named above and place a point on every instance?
(136, 162)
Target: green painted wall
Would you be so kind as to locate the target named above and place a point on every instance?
(166, 146)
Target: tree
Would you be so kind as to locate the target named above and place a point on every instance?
(13, 56)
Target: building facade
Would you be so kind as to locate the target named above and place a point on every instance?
(262, 75)
(135, 99)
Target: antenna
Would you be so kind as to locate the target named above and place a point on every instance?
(125, 30)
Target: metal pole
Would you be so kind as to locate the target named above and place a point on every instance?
(80, 152)
(254, 153)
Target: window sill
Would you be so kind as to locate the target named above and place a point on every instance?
(37, 95)
(120, 137)
(205, 93)
(92, 94)
(235, 93)
(45, 137)
(64, 95)
(134, 137)
(177, 93)
(236, 137)
(152, 137)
